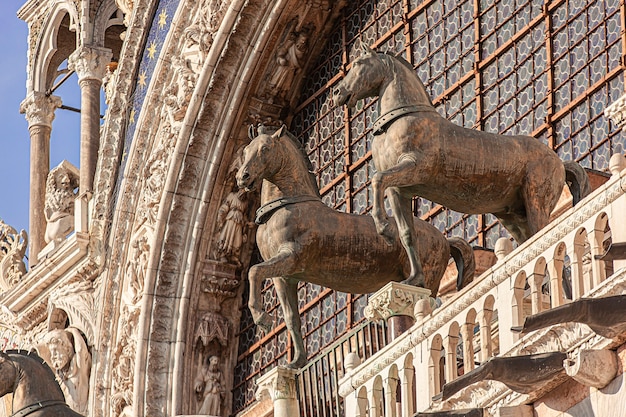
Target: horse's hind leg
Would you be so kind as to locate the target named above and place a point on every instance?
(287, 291)
(401, 207)
(281, 264)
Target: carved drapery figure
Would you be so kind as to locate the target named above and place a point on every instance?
(290, 59)
(233, 231)
(199, 36)
(69, 358)
(208, 387)
(136, 270)
(61, 184)
(12, 251)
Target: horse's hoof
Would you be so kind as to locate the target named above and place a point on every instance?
(416, 280)
(297, 363)
(385, 231)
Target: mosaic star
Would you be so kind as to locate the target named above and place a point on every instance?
(152, 50)
(142, 79)
(162, 19)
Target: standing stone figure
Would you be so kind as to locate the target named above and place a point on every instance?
(290, 58)
(70, 360)
(208, 387)
(231, 217)
(60, 196)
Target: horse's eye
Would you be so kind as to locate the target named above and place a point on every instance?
(264, 149)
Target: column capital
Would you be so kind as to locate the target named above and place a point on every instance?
(394, 299)
(617, 112)
(279, 383)
(39, 108)
(89, 62)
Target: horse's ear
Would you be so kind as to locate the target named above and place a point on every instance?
(279, 132)
(366, 49)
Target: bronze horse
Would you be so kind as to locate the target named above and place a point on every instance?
(35, 390)
(302, 239)
(419, 153)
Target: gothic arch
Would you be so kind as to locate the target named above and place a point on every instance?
(49, 53)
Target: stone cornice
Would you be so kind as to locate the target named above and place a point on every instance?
(26, 304)
(535, 246)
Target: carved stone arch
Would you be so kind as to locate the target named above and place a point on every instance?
(73, 305)
(215, 125)
(107, 16)
(49, 54)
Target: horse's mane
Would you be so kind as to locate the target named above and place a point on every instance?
(307, 162)
(409, 67)
(31, 355)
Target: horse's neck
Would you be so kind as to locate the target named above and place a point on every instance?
(292, 180)
(34, 385)
(402, 88)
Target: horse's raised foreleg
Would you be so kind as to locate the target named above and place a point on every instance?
(280, 265)
(401, 207)
(287, 291)
(400, 175)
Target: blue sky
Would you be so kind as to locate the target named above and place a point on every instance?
(14, 138)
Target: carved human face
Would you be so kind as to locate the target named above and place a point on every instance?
(63, 180)
(61, 350)
(213, 362)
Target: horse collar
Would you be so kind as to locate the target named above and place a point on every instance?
(36, 407)
(382, 123)
(264, 212)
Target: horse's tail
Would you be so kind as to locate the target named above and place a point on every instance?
(463, 256)
(577, 180)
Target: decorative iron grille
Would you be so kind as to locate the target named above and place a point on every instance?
(542, 68)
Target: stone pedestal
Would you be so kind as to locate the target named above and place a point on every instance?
(279, 384)
(394, 299)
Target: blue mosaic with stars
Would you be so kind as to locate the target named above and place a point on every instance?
(159, 29)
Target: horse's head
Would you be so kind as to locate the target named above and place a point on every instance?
(363, 80)
(260, 160)
(8, 374)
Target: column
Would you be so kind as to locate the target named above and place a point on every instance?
(467, 334)
(280, 385)
(89, 62)
(39, 112)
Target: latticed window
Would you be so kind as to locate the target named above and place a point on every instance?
(542, 68)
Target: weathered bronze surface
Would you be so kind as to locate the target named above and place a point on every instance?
(604, 315)
(35, 390)
(520, 373)
(418, 152)
(300, 238)
(615, 252)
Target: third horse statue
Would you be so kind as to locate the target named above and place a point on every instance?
(417, 152)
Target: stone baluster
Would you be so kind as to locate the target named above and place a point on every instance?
(39, 112)
(280, 385)
(486, 349)
(90, 63)
(391, 392)
(467, 334)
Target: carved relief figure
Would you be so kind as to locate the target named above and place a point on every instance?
(13, 247)
(231, 217)
(208, 387)
(136, 270)
(290, 59)
(60, 194)
(70, 359)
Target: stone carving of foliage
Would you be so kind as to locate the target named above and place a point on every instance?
(12, 251)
